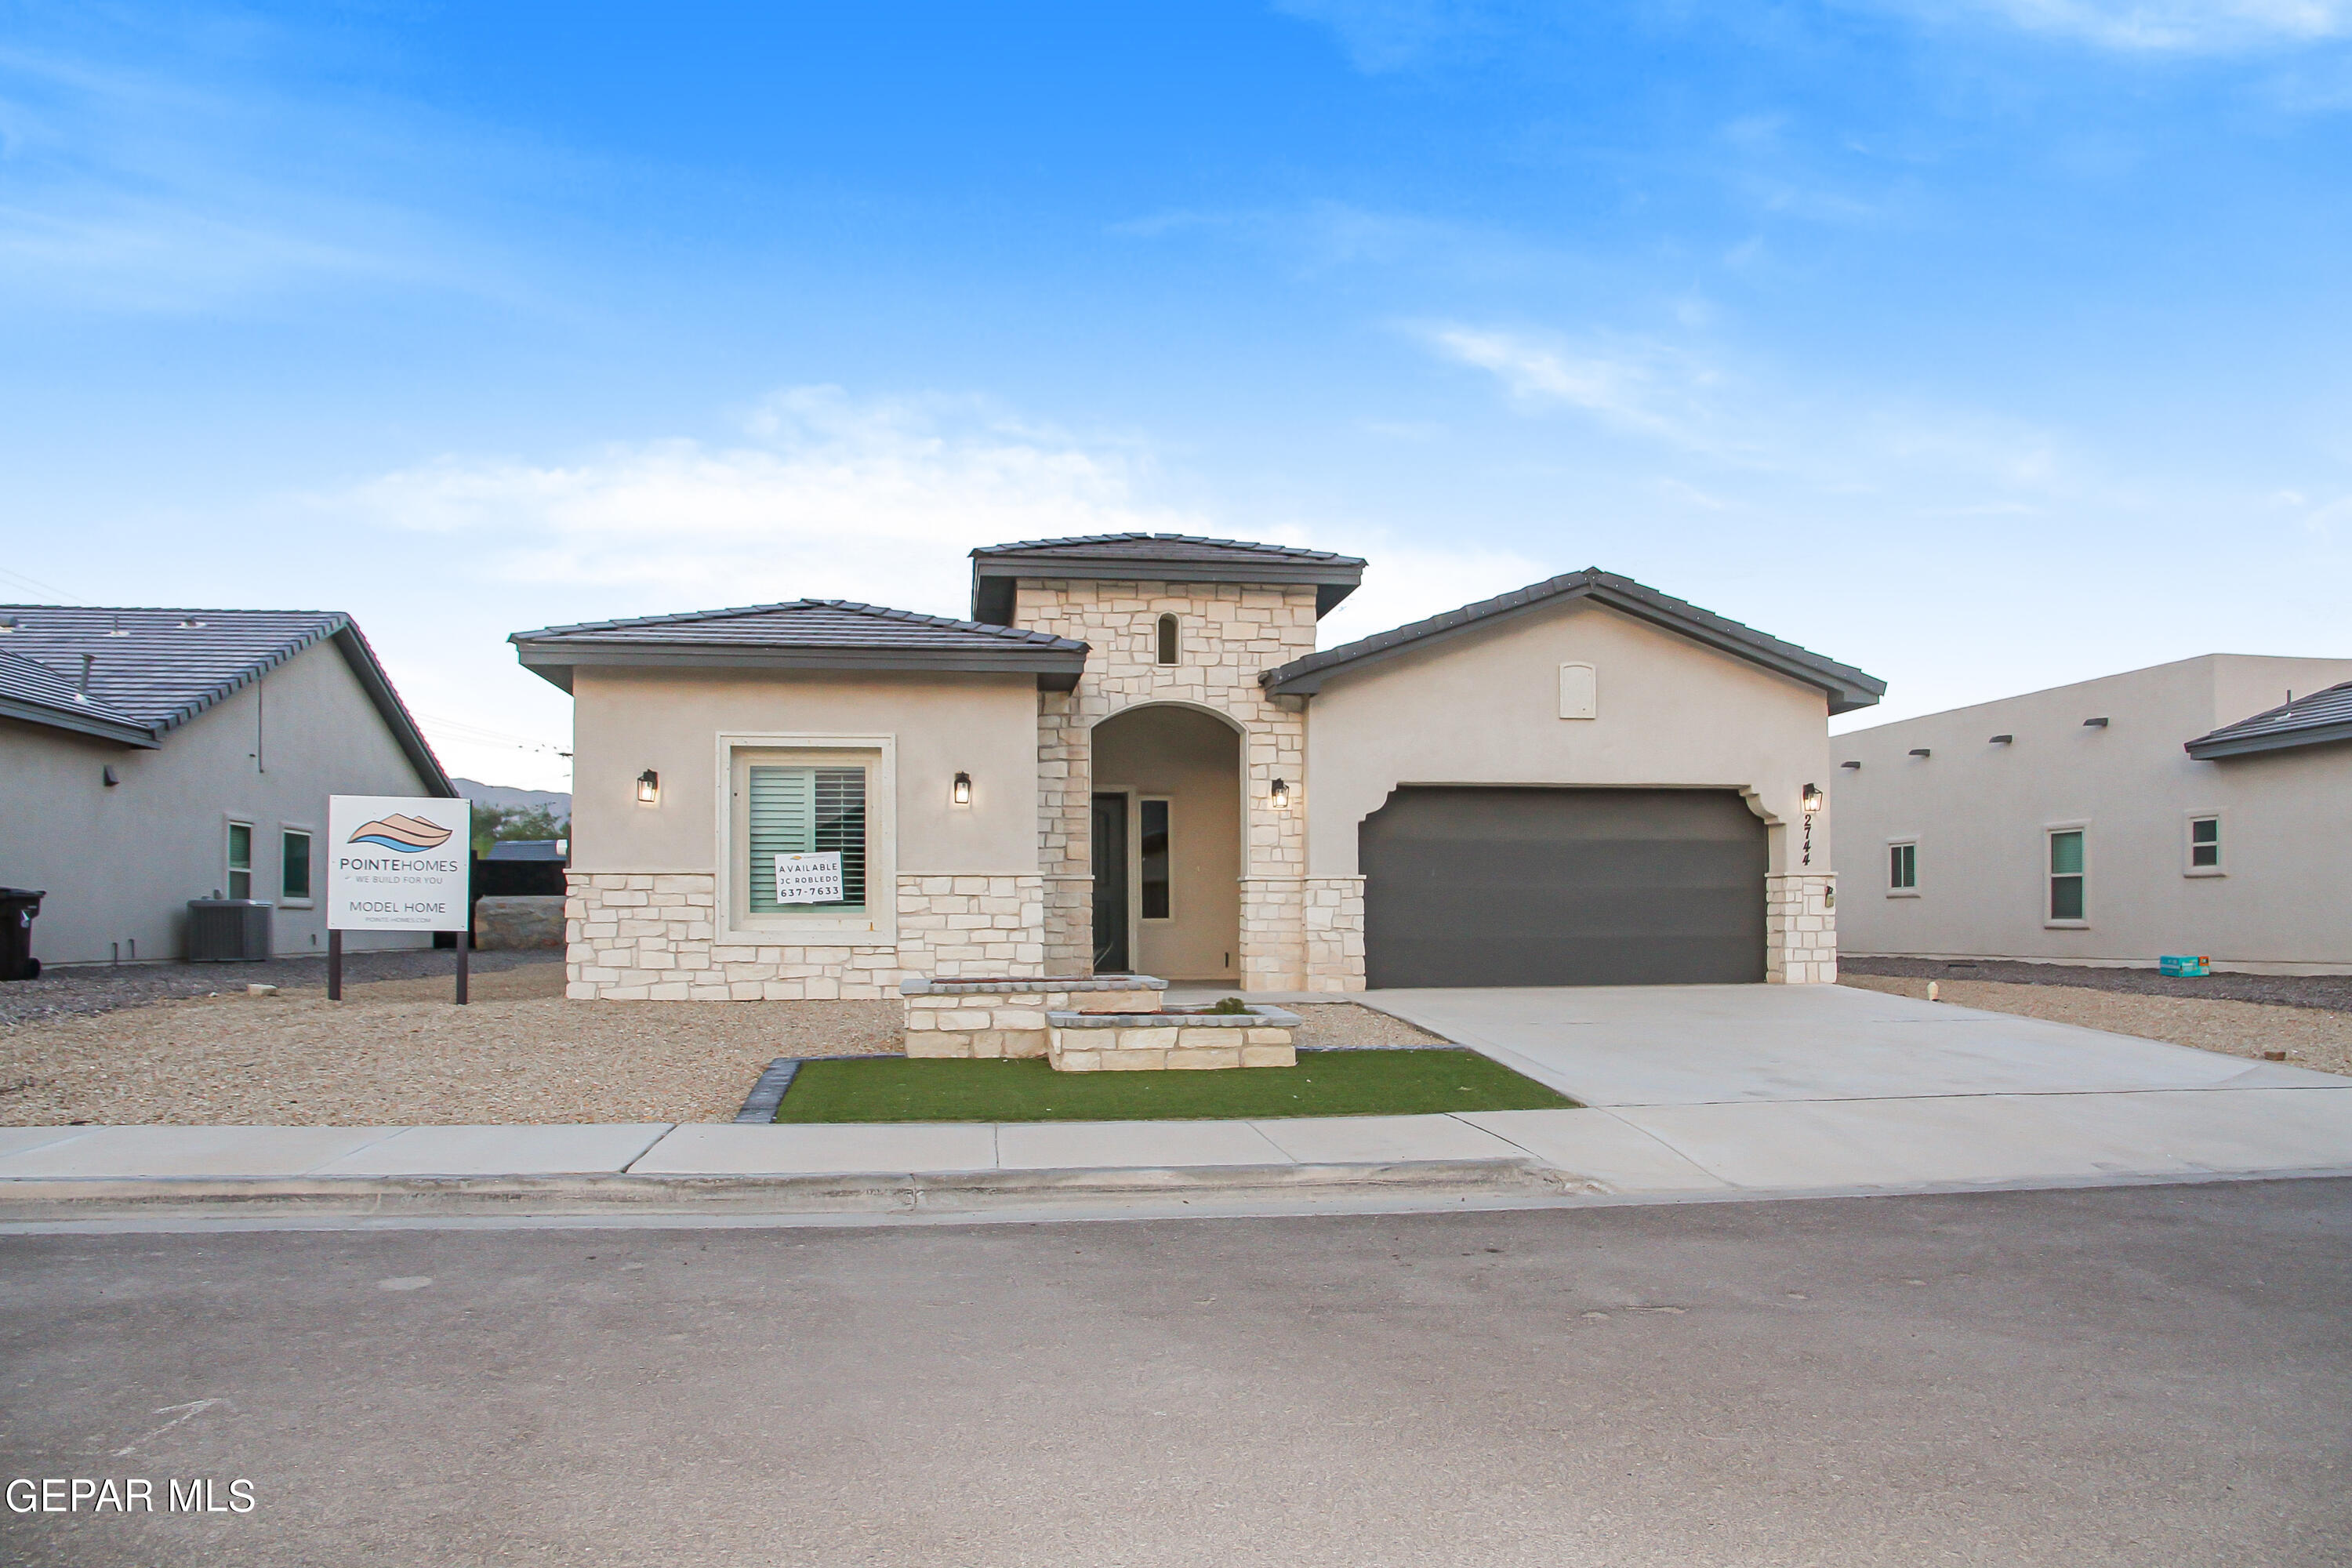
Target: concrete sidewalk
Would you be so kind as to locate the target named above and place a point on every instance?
(1648, 1154)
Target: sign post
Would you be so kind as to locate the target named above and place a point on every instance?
(397, 863)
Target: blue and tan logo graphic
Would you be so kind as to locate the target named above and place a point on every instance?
(401, 832)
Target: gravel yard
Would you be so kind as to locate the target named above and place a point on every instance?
(2313, 1036)
(397, 1052)
(2324, 991)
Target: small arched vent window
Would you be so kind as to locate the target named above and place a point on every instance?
(1167, 650)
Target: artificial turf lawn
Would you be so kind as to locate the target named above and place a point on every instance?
(1324, 1083)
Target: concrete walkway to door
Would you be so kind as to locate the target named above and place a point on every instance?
(1820, 1086)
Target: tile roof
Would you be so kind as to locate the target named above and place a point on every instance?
(802, 623)
(34, 691)
(155, 669)
(1847, 686)
(1155, 558)
(1162, 547)
(838, 634)
(2314, 721)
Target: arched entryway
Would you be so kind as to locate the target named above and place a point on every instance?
(1167, 826)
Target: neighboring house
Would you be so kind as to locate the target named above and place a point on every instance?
(148, 757)
(2111, 822)
(1132, 757)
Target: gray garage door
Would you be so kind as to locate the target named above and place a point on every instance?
(1562, 887)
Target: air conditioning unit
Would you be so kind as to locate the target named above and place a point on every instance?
(228, 931)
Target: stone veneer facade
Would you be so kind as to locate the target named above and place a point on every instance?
(1232, 633)
(652, 936)
(1801, 929)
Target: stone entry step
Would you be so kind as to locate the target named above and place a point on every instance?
(986, 1016)
(1104, 1040)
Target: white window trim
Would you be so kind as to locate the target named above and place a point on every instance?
(2042, 882)
(1135, 804)
(252, 832)
(312, 902)
(2188, 867)
(1913, 890)
(877, 926)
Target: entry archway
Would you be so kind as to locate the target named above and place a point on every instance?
(1167, 843)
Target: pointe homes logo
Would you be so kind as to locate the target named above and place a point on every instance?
(399, 831)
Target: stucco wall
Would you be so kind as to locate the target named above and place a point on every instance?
(1978, 813)
(120, 864)
(1484, 708)
(624, 721)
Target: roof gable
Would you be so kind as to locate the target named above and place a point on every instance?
(1155, 558)
(801, 633)
(152, 671)
(1846, 687)
(2318, 720)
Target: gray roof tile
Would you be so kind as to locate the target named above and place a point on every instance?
(1159, 548)
(2318, 720)
(1156, 558)
(803, 623)
(804, 634)
(1847, 686)
(157, 669)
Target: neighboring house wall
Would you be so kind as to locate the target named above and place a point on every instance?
(1231, 634)
(1979, 814)
(1483, 707)
(956, 890)
(119, 863)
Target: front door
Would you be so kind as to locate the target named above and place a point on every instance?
(1110, 885)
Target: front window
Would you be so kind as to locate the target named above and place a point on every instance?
(2204, 843)
(1902, 868)
(240, 860)
(294, 862)
(2066, 874)
(1167, 648)
(807, 841)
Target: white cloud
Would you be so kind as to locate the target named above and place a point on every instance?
(1644, 388)
(2162, 27)
(828, 497)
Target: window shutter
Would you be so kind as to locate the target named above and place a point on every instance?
(784, 822)
(802, 811)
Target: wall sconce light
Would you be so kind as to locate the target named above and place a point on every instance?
(648, 788)
(1278, 797)
(1812, 797)
(962, 793)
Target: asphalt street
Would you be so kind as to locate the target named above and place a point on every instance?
(2142, 1376)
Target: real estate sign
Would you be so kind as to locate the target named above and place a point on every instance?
(397, 864)
(809, 879)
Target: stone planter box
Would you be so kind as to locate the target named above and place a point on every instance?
(1092, 1041)
(999, 1017)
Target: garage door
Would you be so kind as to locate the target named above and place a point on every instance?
(1562, 887)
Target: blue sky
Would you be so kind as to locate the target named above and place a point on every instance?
(1986, 344)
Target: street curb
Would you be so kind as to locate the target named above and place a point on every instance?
(25, 1199)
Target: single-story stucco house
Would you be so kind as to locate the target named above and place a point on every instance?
(149, 757)
(1133, 758)
(2193, 808)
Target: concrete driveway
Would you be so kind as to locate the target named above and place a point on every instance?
(1780, 1087)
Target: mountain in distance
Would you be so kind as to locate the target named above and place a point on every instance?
(556, 801)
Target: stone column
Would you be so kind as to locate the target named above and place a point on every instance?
(1801, 927)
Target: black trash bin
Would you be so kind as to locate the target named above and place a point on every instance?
(18, 908)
